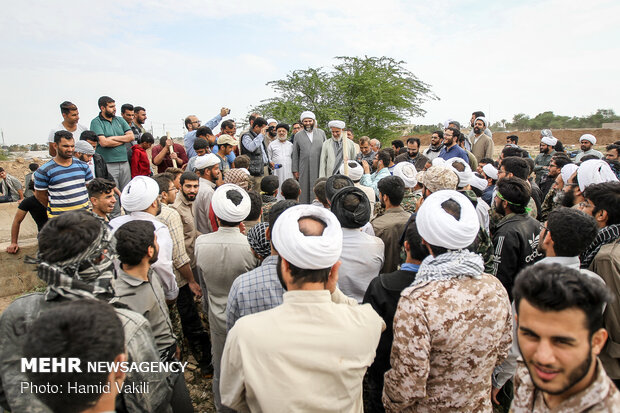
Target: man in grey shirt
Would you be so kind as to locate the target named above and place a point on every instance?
(136, 287)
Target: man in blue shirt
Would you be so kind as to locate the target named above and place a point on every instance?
(451, 149)
(192, 123)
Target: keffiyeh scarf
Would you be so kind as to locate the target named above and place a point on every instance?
(452, 264)
(89, 274)
(605, 236)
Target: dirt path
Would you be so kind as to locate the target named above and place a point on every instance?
(5, 301)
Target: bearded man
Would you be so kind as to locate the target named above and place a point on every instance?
(280, 153)
(307, 155)
(335, 150)
(542, 161)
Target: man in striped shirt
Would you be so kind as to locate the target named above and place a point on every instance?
(60, 184)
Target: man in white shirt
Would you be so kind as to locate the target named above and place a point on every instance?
(362, 254)
(70, 118)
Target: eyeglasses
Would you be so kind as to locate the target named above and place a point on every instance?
(197, 122)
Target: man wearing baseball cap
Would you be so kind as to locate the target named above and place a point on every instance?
(225, 144)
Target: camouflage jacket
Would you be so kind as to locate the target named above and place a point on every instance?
(601, 396)
(483, 245)
(409, 203)
(268, 202)
(139, 343)
(549, 204)
(439, 361)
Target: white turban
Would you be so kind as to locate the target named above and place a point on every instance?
(490, 171)
(307, 115)
(407, 172)
(336, 124)
(139, 193)
(355, 170)
(484, 120)
(549, 140)
(588, 137)
(479, 183)
(271, 121)
(438, 162)
(441, 229)
(567, 171)
(224, 208)
(594, 171)
(84, 147)
(465, 176)
(307, 252)
(206, 161)
(546, 132)
(447, 122)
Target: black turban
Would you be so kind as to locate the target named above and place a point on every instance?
(351, 219)
(330, 191)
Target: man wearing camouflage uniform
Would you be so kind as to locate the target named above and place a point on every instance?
(437, 363)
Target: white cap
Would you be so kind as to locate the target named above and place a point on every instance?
(206, 161)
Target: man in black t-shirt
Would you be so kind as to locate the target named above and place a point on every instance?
(38, 213)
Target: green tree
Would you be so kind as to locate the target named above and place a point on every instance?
(371, 95)
(520, 121)
(549, 120)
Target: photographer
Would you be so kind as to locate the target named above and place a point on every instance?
(253, 145)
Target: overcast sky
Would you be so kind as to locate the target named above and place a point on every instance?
(192, 57)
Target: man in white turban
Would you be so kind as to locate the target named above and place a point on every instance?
(355, 172)
(222, 256)
(298, 339)
(208, 171)
(587, 141)
(482, 145)
(543, 159)
(466, 178)
(452, 279)
(594, 171)
(413, 192)
(489, 172)
(140, 199)
(472, 123)
(271, 131)
(307, 147)
(336, 150)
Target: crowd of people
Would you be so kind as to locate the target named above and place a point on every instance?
(335, 275)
